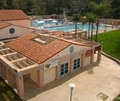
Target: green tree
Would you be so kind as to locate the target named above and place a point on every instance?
(38, 7)
(28, 7)
(115, 12)
(91, 17)
(76, 18)
(49, 5)
(101, 10)
(83, 20)
(19, 4)
(3, 4)
(62, 4)
(10, 4)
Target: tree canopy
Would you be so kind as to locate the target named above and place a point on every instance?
(39, 7)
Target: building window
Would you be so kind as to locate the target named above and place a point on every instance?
(12, 30)
(76, 63)
(64, 69)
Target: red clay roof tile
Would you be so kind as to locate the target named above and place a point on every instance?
(6, 15)
(3, 25)
(36, 51)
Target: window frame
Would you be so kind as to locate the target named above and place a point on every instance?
(77, 64)
(12, 30)
(64, 68)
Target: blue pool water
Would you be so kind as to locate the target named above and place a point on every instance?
(47, 23)
(58, 26)
(71, 27)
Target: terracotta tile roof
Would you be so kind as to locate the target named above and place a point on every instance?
(6, 15)
(37, 51)
(59, 33)
(3, 25)
(86, 43)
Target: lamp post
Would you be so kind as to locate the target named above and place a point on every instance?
(71, 85)
(76, 20)
(102, 45)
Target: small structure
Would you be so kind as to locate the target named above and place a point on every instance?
(55, 16)
(43, 59)
(71, 35)
(59, 33)
(16, 17)
(113, 22)
(10, 31)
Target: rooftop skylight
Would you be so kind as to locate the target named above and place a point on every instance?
(43, 39)
(40, 41)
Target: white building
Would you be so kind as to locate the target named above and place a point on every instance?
(43, 59)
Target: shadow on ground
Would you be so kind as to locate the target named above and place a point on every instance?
(29, 89)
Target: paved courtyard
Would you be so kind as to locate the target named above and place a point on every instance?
(104, 78)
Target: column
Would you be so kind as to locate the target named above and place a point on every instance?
(57, 72)
(83, 60)
(99, 55)
(71, 65)
(92, 56)
(10, 78)
(3, 71)
(86, 35)
(20, 84)
(40, 76)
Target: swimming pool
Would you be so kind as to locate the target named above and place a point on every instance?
(46, 22)
(71, 27)
(56, 25)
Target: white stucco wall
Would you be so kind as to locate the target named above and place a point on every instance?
(4, 33)
(49, 75)
(66, 52)
(87, 60)
(33, 76)
(65, 57)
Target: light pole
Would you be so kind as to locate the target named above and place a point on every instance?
(76, 20)
(71, 85)
(102, 45)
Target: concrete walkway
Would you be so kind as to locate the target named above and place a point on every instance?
(103, 78)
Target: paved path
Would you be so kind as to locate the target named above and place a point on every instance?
(103, 78)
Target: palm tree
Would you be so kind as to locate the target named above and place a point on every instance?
(91, 19)
(83, 20)
(100, 10)
(76, 18)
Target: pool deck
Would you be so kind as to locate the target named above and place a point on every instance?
(104, 78)
(105, 30)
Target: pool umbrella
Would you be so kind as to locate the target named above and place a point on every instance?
(40, 22)
(55, 21)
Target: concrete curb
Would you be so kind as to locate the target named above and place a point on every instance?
(112, 58)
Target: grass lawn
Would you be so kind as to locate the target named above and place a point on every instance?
(7, 93)
(117, 98)
(111, 43)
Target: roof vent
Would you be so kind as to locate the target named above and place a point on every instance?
(40, 41)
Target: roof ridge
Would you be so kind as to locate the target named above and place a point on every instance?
(71, 41)
(19, 25)
(4, 25)
(12, 14)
